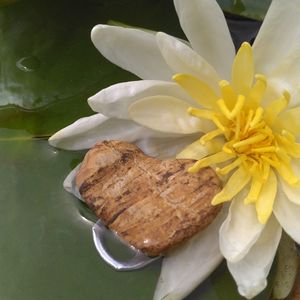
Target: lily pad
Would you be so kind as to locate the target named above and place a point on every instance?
(247, 8)
(49, 67)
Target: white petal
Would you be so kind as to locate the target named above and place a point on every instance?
(187, 266)
(70, 185)
(167, 114)
(274, 91)
(182, 59)
(287, 213)
(164, 148)
(279, 35)
(251, 272)
(115, 100)
(205, 26)
(85, 132)
(82, 134)
(286, 76)
(132, 49)
(240, 230)
(292, 192)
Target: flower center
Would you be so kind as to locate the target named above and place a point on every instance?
(247, 132)
(251, 149)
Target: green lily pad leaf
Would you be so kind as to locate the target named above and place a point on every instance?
(47, 250)
(247, 8)
(7, 2)
(49, 66)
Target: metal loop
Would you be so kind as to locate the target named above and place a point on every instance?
(139, 260)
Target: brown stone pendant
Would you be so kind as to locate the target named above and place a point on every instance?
(151, 204)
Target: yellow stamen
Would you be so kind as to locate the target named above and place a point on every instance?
(209, 160)
(270, 161)
(231, 166)
(292, 148)
(197, 151)
(211, 135)
(251, 164)
(224, 109)
(273, 110)
(227, 93)
(257, 117)
(249, 141)
(258, 90)
(238, 127)
(258, 126)
(234, 185)
(255, 188)
(227, 148)
(283, 156)
(200, 113)
(218, 123)
(287, 173)
(265, 200)
(243, 69)
(238, 106)
(197, 89)
(264, 149)
(288, 135)
(265, 170)
(249, 119)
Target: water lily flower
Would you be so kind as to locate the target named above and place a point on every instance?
(200, 100)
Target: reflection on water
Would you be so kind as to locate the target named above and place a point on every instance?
(28, 63)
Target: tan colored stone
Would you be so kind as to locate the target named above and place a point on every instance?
(153, 205)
